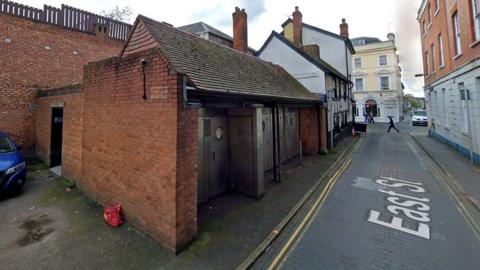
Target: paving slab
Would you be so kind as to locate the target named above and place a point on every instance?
(464, 172)
(53, 225)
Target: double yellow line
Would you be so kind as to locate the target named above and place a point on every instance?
(307, 220)
(443, 178)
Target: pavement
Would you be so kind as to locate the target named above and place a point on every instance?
(387, 210)
(466, 175)
(53, 225)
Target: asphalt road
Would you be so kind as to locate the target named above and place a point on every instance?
(386, 211)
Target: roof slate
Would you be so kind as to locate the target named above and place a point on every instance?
(217, 68)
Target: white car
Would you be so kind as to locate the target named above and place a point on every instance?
(419, 118)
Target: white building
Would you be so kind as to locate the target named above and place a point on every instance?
(377, 77)
(321, 61)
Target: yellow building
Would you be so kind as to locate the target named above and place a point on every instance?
(377, 77)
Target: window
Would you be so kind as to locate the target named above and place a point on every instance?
(385, 83)
(358, 62)
(429, 15)
(433, 58)
(437, 6)
(427, 64)
(424, 28)
(382, 59)
(463, 107)
(359, 84)
(456, 34)
(476, 18)
(440, 51)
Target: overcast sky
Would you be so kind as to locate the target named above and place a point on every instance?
(373, 18)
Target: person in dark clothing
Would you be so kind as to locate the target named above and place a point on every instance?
(371, 120)
(392, 125)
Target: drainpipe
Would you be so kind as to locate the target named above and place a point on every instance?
(467, 99)
(274, 132)
(319, 128)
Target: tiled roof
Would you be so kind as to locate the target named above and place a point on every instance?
(217, 68)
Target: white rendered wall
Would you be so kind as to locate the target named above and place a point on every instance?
(332, 50)
(312, 77)
(446, 110)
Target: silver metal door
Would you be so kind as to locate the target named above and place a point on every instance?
(291, 133)
(241, 149)
(218, 156)
(267, 139)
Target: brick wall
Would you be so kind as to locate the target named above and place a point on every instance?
(141, 153)
(309, 130)
(72, 130)
(38, 55)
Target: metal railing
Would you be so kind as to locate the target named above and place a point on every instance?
(68, 17)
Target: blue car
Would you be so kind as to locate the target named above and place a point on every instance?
(12, 166)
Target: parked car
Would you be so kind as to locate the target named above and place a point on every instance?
(12, 166)
(419, 118)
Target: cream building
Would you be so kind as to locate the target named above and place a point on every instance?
(377, 77)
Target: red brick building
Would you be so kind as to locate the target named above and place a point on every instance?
(450, 32)
(175, 120)
(39, 52)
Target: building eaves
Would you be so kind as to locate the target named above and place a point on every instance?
(314, 28)
(215, 68)
(321, 64)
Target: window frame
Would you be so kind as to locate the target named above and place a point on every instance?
(457, 35)
(432, 48)
(363, 84)
(441, 51)
(355, 62)
(427, 63)
(389, 83)
(380, 60)
(476, 19)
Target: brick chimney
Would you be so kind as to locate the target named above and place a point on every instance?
(297, 26)
(344, 28)
(240, 30)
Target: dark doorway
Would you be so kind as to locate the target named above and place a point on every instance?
(371, 108)
(56, 137)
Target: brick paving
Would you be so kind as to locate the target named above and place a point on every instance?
(340, 237)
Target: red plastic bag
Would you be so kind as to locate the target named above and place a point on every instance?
(113, 215)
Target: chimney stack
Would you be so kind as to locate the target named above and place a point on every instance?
(240, 30)
(344, 29)
(297, 26)
(391, 37)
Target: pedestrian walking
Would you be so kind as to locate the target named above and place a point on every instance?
(367, 118)
(392, 125)
(371, 120)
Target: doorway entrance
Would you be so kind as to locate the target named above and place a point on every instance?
(215, 157)
(371, 108)
(56, 137)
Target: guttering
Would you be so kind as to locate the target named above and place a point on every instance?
(252, 98)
